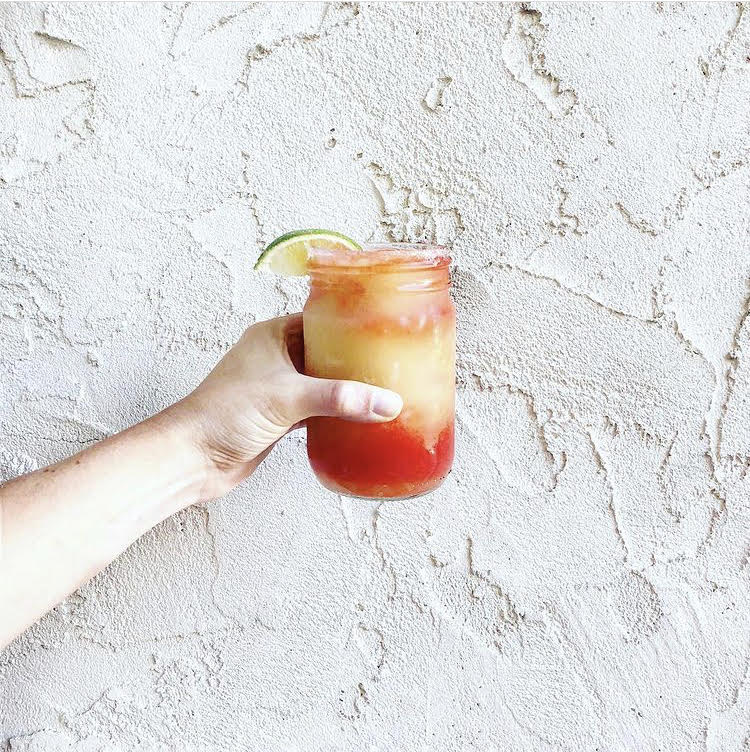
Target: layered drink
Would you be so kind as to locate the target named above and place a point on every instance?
(383, 316)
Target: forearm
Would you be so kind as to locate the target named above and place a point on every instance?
(63, 524)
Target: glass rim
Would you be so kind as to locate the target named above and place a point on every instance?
(416, 256)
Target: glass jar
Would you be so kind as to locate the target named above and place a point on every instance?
(384, 317)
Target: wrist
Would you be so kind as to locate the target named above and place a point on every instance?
(183, 423)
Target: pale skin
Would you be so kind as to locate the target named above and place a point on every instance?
(64, 523)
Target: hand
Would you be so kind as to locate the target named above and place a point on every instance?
(257, 393)
(63, 523)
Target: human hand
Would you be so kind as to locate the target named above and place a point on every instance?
(63, 523)
(257, 393)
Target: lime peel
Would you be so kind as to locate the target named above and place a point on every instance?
(288, 255)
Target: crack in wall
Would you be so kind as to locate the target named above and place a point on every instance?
(177, 27)
(373, 653)
(565, 222)
(639, 224)
(577, 293)
(685, 343)
(508, 613)
(422, 214)
(614, 515)
(539, 429)
(732, 361)
(491, 619)
(70, 72)
(668, 318)
(28, 85)
(717, 519)
(252, 198)
(714, 70)
(350, 11)
(554, 463)
(434, 100)
(386, 566)
(524, 59)
(206, 515)
(57, 42)
(224, 20)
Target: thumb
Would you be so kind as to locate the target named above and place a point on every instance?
(351, 400)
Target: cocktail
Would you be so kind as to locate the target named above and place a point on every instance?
(383, 315)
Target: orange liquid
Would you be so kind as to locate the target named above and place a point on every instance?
(393, 327)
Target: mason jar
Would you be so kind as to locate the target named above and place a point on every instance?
(384, 316)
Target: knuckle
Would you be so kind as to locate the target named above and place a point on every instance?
(344, 398)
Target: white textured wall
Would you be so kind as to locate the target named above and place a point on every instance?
(581, 582)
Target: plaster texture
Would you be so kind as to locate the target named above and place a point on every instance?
(581, 581)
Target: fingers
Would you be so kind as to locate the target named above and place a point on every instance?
(297, 397)
(295, 345)
(286, 332)
(290, 323)
(351, 400)
(279, 341)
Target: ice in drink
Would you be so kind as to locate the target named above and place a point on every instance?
(383, 316)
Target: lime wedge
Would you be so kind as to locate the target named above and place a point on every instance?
(289, 253)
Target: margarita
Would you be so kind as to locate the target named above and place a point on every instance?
(383, 315)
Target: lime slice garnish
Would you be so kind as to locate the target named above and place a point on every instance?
(288, 254)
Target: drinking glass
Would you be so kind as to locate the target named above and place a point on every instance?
(384, 316)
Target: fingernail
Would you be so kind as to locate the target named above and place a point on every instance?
(386, 404)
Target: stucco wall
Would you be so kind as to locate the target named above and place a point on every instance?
(581, 581)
